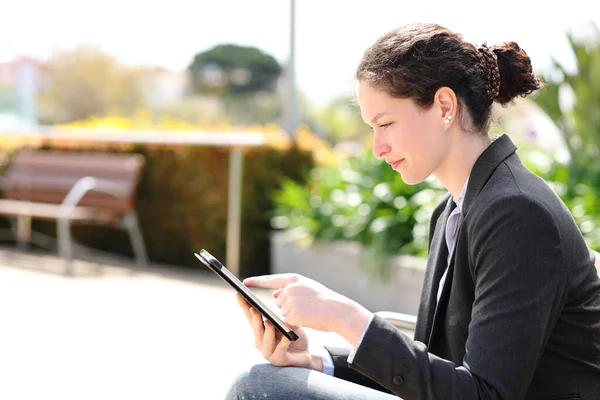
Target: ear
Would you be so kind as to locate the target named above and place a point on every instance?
(446, 101)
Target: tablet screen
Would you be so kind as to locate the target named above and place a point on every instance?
(215, 265)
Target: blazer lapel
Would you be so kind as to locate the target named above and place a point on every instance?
(437, 262)
(486, 164)
(444, 294)
(436, 265)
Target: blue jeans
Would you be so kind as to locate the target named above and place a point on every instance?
(265, 381)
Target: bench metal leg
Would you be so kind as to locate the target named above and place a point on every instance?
(23, 231)
(13, 222)
(65, 243)
(130, 222)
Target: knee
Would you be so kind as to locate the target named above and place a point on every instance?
(265, 381)
(249, 382)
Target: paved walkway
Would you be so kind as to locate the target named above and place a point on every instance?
(107, 333)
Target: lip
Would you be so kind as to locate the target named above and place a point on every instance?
(396, 163)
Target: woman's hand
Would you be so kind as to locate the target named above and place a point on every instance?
(306, 303)
(276, 348)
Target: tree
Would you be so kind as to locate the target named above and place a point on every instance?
(340, 120)
(86, 82)
(229, 70)
(578, 122)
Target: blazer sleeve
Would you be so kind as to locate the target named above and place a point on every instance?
(343, 371)
(518, 270)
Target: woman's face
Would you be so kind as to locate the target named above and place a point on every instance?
(412, 140)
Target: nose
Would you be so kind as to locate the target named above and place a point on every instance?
(380, 145)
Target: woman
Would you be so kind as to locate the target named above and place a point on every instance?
(510, 307)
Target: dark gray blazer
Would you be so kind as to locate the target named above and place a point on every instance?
(519, 314)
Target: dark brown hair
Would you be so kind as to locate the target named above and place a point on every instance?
(416, 60)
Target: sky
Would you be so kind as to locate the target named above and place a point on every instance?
(331, 35)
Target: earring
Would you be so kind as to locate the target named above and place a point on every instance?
(447, 121)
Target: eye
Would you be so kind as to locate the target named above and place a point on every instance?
(383, 126)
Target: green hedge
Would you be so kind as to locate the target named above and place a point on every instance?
(182, 202)
(365, 201)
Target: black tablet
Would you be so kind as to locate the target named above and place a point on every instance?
(215, 265)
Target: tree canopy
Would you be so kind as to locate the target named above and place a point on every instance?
(229, 69)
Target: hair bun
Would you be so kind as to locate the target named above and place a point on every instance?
(515, 72)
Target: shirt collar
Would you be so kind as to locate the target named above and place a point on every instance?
(461, 196)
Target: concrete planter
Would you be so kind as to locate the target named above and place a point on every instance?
(337, 266)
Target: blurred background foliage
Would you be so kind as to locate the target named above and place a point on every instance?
(571, 99)
(319, 184)
(361, 200)
(230, 70)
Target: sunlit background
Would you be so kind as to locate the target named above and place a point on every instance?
(229, 126)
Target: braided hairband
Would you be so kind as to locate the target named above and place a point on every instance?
(491, 61)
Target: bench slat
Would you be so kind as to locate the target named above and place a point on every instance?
(91, 199)
(47, 177)
(51, 180)
(104, 164)
(51, 211)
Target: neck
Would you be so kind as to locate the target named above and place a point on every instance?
(457, 166)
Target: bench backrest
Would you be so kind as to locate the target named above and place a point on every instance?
(47, 176)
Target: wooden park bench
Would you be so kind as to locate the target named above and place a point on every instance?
(73, 187)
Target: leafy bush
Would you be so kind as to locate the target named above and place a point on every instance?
(362, 200)
(579, 123)
(571, 98)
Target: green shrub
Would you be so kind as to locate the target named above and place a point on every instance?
(362, 200)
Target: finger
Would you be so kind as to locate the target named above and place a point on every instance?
(241, 299)
(245, 307)
(285, 307)
(280, 352)
(269, 341)
(258, 327)
(290, 319)
(292, 326)
(281, 298)
(277, 293)
(277, 281)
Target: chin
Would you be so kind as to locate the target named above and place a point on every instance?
(411, 179)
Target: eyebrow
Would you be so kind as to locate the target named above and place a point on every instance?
(381, 114)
